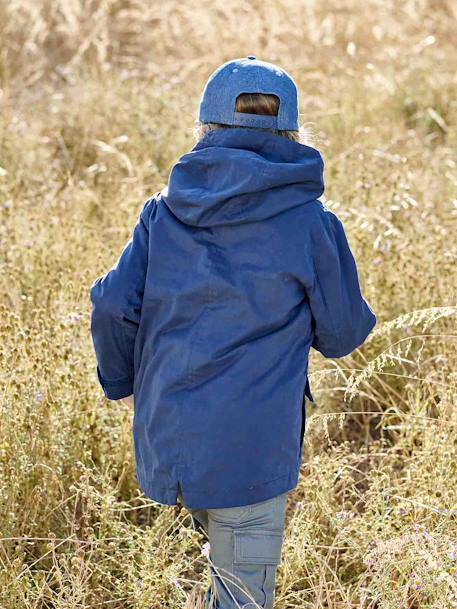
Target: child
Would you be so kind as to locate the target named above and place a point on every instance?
(234, 271)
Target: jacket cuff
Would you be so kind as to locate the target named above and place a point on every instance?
(117, 390)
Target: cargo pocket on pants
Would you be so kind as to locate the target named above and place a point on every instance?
(256, 557)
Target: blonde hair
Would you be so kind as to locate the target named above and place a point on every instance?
(258, 103)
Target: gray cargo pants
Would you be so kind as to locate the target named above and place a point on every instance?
(245, 550)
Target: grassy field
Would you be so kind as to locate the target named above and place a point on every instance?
(98, 99)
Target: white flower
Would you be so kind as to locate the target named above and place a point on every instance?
(205, 549)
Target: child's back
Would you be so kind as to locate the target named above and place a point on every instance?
(238, 268)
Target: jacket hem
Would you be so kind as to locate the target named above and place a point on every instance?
(196, 499)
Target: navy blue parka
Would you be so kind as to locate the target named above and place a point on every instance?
(234, 271)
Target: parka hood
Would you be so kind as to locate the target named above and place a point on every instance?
(238, 175)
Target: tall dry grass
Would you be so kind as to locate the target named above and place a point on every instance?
(98, 99)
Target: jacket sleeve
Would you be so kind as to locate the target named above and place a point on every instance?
(342, 317)
(116, 308)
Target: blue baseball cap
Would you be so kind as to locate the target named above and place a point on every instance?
(249, 75)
